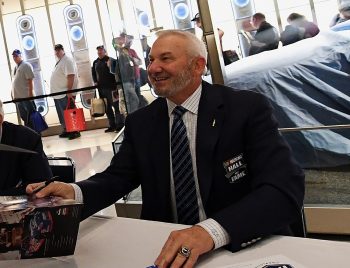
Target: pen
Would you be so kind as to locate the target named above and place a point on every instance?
(39, 188)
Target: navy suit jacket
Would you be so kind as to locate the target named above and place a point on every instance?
(21, 166)
(249, 182)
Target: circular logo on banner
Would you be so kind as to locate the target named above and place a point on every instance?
(25, 25)
(28, 42)
(76, 33)
(181, 11)
(73, 14)
(143, 19)
(241, 3)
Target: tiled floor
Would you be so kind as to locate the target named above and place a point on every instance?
(92, 153)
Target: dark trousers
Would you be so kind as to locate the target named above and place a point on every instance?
(115, 118)
(25, 110)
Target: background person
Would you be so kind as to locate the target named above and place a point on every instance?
(146, 50)
(16, 167)
(63, 79)
(137, 70)
(343, 15)
(291, 34)
(197, 20)
(309, 28)
(266, 37)
(23, 87)
(106, 85)
(229, 56)
(126, 71)
(240, 182)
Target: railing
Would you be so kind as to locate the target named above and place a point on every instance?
(327, 198)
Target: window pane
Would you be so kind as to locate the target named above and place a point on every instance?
(92, 25)
(5, 80)
(325, 11)
(10, 6)
(267, 7)
(59, 25)
(12, 43)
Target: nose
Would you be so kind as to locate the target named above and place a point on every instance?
(154, 67)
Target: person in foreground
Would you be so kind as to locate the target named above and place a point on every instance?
(221, 167)
(20, 169)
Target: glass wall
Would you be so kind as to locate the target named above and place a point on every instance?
(137, 18)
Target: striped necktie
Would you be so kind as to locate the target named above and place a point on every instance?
(185, 188)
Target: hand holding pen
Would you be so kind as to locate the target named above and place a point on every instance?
(43, 185)
(47, 188)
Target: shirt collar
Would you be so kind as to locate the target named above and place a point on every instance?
(191, 104)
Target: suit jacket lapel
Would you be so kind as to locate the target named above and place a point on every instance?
(210, 117)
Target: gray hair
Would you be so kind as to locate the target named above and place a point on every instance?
(1, 109)
(195, 46)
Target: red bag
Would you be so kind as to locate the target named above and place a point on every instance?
(74, 118)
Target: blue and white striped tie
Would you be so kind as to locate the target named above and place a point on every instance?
(185, 188)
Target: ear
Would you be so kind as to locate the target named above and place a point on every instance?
(1, 119)
(199, 65)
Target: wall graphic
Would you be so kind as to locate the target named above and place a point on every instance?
(27, 36)
(76, 32)
(182, 15)
(243, 10)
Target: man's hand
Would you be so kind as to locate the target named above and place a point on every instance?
(56, 188)
(195, 238)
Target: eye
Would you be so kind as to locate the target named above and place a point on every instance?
(166, 58)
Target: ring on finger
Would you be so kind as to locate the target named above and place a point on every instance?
(185, 252)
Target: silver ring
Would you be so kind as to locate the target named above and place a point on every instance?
(185, 252)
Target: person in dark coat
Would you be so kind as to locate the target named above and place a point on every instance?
(106, 85)
(19, 169)
(309, 28)
(266, 37)
(291, 34)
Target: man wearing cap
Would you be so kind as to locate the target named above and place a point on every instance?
(22, 86)
(63, 79)
(19, 169)
(198, 21)
(106, 85)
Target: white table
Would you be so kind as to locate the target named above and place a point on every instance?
(123, 242)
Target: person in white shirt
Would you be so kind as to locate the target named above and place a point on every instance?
(63, 78)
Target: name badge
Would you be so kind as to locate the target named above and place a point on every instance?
(235, 168)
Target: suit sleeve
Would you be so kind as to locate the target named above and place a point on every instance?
(120, 178)
(277, 183)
